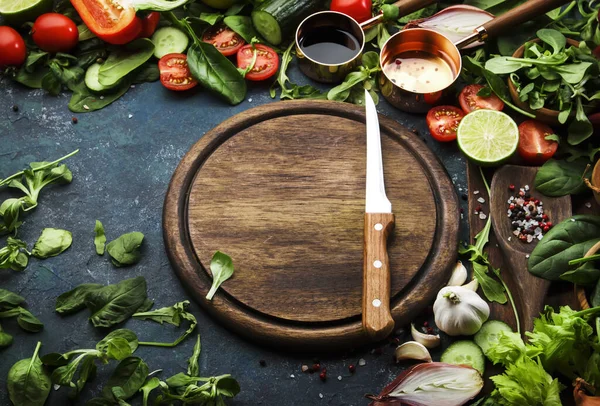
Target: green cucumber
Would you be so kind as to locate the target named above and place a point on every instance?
(489, 333)
(169, 40)
(465, 352)
(91, 79)
(276, 19)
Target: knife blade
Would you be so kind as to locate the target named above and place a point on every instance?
(377, 319)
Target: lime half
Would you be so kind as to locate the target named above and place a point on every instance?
(20, 11)
(487, 136)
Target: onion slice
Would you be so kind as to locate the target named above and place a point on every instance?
(455, 22)
(434, 383)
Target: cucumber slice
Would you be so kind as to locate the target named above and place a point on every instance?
(169, 40)
(91, 79)
(465, 352)
(489, 334)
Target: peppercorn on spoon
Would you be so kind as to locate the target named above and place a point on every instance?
(377, 319)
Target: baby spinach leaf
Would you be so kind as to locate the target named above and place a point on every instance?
(63, 375)
(553, 38)
(10, 209)
(181, 379)
(28, 384)
(211, 18)
(221, 268)
(595, 297)
(172, 315)
(25, 319)
(148, 387)
(227, 386)
(100, 238)
(84, 101)
(587, 274)
(5, 339)
(121, 62)
(114, 304)
(52, 242)
(242, 25)
(9, 299)
(74, 300)
(193, 367)
(130, 375)
(581, 128)
(125, 250)
(561, 178)
(55, 359)
(566, 241)
(502, 65)
(147, 73)
(215, 72)
(119, 336)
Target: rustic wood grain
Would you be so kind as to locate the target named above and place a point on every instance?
(376, 316)
(280, 188)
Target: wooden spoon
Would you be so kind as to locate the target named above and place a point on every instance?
(530, 291)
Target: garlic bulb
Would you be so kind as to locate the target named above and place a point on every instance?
(459, 275)
(459, 311)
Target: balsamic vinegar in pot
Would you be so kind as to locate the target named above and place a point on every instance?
(329, 45)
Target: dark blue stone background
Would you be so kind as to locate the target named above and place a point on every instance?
(120, 177)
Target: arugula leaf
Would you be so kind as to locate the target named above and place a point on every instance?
(28, 383)
(293, 91)
(125, 249)
(100, 238)
(193, 367)
(172, 315)
(52, 242)
(221, 268)
(130, 375)
(74, 300)
(114, 304)
(14, 256)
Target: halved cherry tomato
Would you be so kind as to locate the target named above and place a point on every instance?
(533, 145)
(360, 10)
(266, 65)
(443, 122)
(12, 47)
(432, 98)
(227, 41)
(149, 24)
(110, 21)
(54, 32)
(175, 73)
(469, 100)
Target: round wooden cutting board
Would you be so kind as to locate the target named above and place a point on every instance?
(281, 189)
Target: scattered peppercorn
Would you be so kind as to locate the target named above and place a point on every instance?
(262, 363)
(15, 108)
(526, 213)
(351, 368)
(511, 187)
(323, 375)
(425, 324)
(316, 367)
(74, 120)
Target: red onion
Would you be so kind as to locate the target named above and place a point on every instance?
(455, 22)
(433, 383)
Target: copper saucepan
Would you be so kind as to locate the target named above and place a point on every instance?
(440, 58)
(330, 27)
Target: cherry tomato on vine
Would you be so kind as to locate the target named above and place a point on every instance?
(360, 10)
(224, 39)
(266, 65)
(175, 72)
(469, 100)
(533, 147)
(443, 122)
(54, 32)
(12, 47)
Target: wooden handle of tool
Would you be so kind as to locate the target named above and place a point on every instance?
(376, 316)
(518, 15)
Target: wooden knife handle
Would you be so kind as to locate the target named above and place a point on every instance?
(376, 317)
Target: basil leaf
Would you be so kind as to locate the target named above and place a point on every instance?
(193, 367)
(221, 268)
(560, 178)
(114, 304)
(125, 249)
(52, 242)
(123, 61)
(242, 25)
(566, 241)
(215, 72)
(130, 375)
(148, 387)
(100, 238)
(28, 384)
(74, 300)
(9, 299)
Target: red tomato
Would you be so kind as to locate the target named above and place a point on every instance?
(175, 73)
(109, 20)
(54, 32)
(533, 145)
(12, 47)
(432, 98)
(266, 65)
(469, 100)
(596, 51)
(224, 39)
(149, 24)
(443, 122)
(360, 10)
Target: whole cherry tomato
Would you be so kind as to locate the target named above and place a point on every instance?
(360, 10)
(54, 32)
(12, 47)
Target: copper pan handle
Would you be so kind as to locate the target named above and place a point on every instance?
(519, 15)
(406, 7)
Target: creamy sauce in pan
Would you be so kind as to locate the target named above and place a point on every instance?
(419, 72)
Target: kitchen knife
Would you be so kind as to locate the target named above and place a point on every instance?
(379, 222)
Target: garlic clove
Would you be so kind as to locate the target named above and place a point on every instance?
(459, 275)
(427, 340)
(412, 350)
(473, 285)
